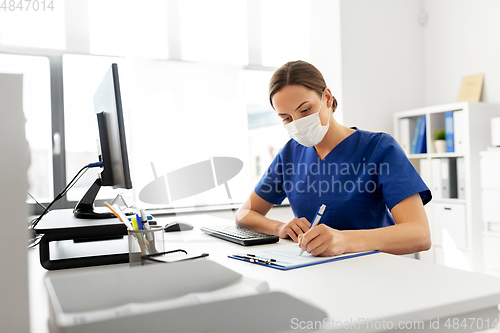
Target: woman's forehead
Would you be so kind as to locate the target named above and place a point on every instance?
(290, 97)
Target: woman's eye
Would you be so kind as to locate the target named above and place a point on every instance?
(304, 111)
(286, 119)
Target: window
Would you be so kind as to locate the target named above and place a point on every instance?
(188, 89)
(149, 37)
(42, 28)
(119, 28)
(214, 31)
(36, 104)
(183, 114)
(266, 133)
(286, 31)
(109, 26)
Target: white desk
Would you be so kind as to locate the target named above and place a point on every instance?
(381, 290)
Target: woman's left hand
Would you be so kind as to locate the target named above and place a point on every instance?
(323, 241)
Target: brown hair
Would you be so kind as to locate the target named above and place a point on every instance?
(298, 73)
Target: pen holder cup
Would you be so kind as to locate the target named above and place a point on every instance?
(144, 242)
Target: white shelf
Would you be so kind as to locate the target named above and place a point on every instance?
(450, 201)
(417, 156)
(444, 155)
(475, 137)
(434, 155)
(436, 109)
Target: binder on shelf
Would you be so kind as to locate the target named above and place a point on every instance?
(425, 172)
(453, 178)
(461, 178)
(437, 191)
(422, 140)
(414, 141)
(404, 134)
(449, 178)
(445, 178)
(448, 127)
(458, 131)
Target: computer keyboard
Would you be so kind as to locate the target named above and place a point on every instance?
(239, 235)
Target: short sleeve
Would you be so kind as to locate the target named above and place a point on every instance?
(397, 178)
(270, 186)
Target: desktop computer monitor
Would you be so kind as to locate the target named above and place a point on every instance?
(113, 146)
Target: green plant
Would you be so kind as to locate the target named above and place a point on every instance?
(440, 134)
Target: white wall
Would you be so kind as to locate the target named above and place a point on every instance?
(462, 37)
(382, 61)
(390, 62)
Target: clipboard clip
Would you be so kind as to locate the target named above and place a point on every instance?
(255, 259)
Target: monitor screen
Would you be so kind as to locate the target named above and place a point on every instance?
(113, 145)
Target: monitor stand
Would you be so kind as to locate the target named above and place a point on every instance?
(84, 237)
(85, 208)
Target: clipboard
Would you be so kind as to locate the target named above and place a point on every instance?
(287, 257)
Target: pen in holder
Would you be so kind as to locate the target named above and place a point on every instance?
(144, 242)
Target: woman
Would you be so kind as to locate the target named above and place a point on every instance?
(374, 197)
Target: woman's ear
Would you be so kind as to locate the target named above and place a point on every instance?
(328, 97)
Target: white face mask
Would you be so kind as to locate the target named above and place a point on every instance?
(308, 131)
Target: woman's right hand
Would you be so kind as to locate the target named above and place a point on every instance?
(294, 228)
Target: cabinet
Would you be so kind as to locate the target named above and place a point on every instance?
(455, 212)
(490, 192)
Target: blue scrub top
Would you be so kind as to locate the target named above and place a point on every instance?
(359, 181)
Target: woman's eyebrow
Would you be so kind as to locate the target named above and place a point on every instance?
(298, 107)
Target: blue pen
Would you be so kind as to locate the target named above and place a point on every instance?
(139, 223)
(316, 219)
